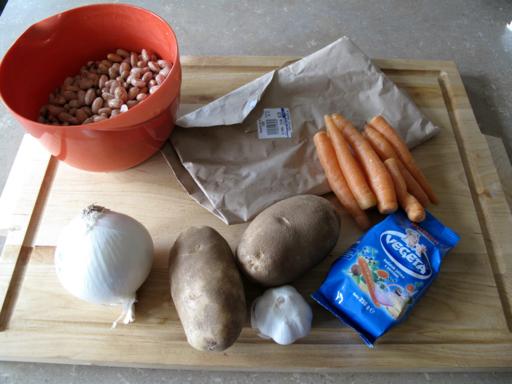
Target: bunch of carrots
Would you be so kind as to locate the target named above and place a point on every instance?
(372, 168)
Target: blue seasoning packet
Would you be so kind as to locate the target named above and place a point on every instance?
(376, 282)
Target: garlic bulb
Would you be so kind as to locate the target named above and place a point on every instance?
(103, 257)
(281, 314)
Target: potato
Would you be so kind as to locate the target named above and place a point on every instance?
(206, 289)
(287, 239)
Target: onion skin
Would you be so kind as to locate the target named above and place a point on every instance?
(103, 257)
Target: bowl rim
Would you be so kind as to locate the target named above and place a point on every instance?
(104, 125)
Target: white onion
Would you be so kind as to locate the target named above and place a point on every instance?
(103, 257)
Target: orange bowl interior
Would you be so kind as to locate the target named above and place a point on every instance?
(57, 47)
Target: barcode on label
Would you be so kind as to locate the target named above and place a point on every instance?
(275, 123)
(271, 126)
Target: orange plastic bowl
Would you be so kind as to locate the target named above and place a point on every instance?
(54, 48)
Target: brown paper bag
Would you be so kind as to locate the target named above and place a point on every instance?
(253, 147)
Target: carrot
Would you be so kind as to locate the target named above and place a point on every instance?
(377, 173)
(336, 180)
(415, 212)
(367, 274)
(381, 125)
(379, 143)
(386, 151)
(412, 185)
(350, 167)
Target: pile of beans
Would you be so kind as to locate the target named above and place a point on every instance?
(105, 88)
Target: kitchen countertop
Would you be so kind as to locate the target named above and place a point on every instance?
(472, 33)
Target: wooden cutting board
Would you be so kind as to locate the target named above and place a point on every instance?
(463, 323)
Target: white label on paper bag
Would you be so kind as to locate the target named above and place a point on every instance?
(275, 123)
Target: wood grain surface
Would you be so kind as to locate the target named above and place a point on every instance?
(464, 321)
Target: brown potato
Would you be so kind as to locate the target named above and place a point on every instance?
(207, 289)
(287, 239)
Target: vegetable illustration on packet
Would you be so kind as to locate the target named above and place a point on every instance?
(381, 284)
